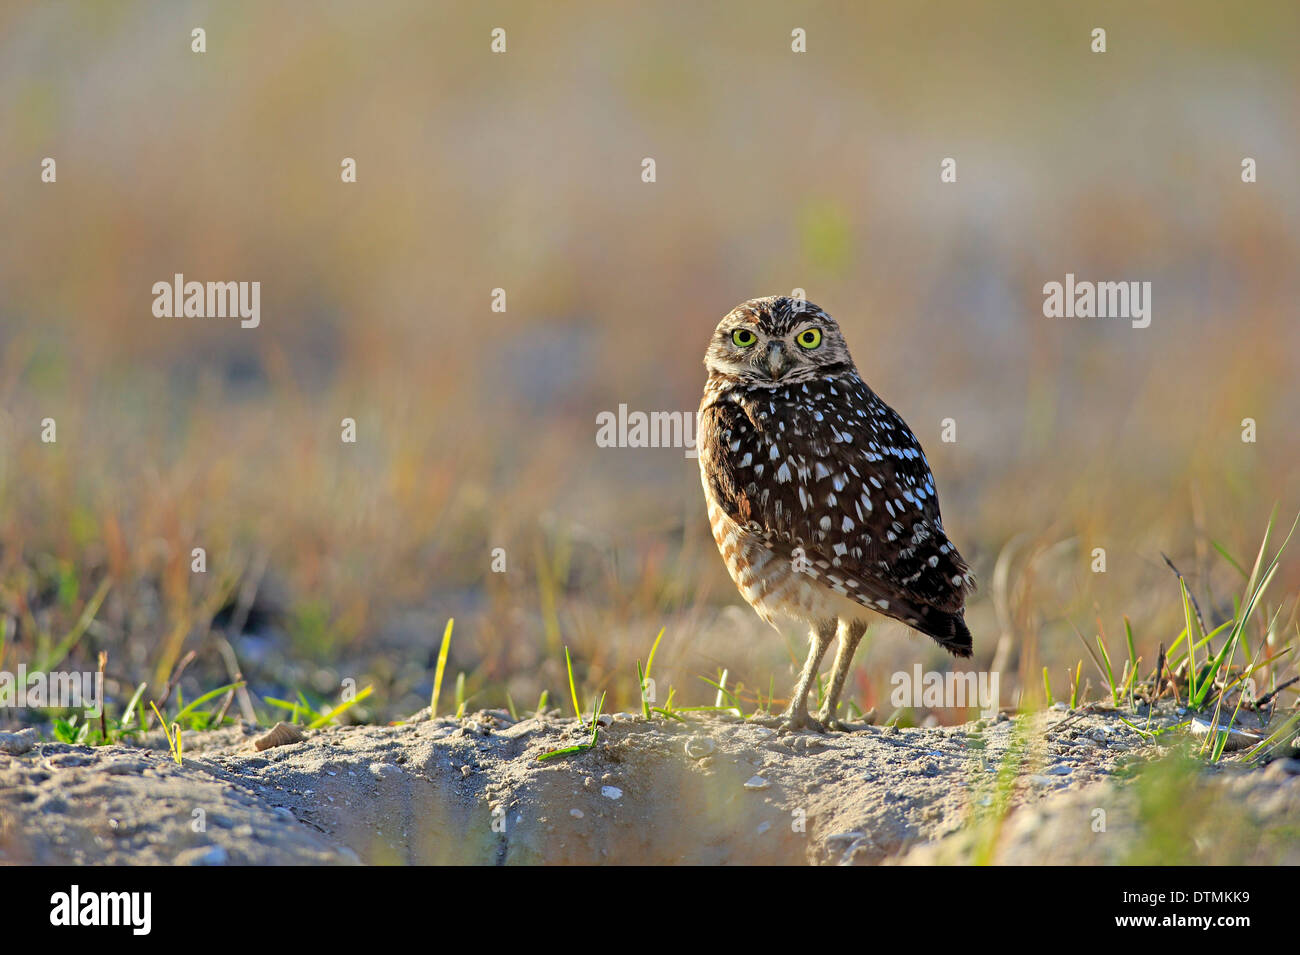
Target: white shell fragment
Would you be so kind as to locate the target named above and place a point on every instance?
(1237, 739)
(282, 734)
(697, 747)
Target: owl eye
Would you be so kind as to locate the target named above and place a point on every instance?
(743, 337)
(809, 338)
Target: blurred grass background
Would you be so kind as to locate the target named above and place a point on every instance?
(522, 171)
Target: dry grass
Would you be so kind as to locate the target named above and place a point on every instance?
(476, 430)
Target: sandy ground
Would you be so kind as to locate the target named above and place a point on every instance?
(715, 790)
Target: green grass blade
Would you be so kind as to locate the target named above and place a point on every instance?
(723, 693)
(640, 682)
(347, 704)
(595, 718)
(295, 710)
(461, 699)
(173, 733)
(204, 698)
(129, 713)
(650, 661)
(1191, 640)
(643, 677)
(1128, 638)
(581, 747)
(573, 687)
(1110, 673)
(441, 668)
(1228, 557)
(1277, 737)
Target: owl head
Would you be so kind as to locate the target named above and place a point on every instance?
(777, 341)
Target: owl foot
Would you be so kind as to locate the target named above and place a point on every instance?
(836, 725)
(793, 722)
(833, 723)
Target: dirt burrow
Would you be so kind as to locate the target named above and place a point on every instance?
(472, 791)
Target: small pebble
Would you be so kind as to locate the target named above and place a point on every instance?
(15, 744)
(611, 792)
(211, 855)
(756, 782)
(697, 747)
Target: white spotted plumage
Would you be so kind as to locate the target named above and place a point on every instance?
(846, 487)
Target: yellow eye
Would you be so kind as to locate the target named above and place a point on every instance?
(743, 337)
(810, 338)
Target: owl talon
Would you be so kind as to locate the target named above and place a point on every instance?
(794, 722)
(833, 723)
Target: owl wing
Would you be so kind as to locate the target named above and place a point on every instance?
(840, 475)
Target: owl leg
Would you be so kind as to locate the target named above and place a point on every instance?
(796, 715)
(850, 632)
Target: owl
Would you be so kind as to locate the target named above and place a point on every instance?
(819, 496)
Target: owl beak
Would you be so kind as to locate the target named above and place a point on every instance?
(776, 360)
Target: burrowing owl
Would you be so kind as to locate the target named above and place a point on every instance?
(819, 495)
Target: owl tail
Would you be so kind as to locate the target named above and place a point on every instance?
(948, 629)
